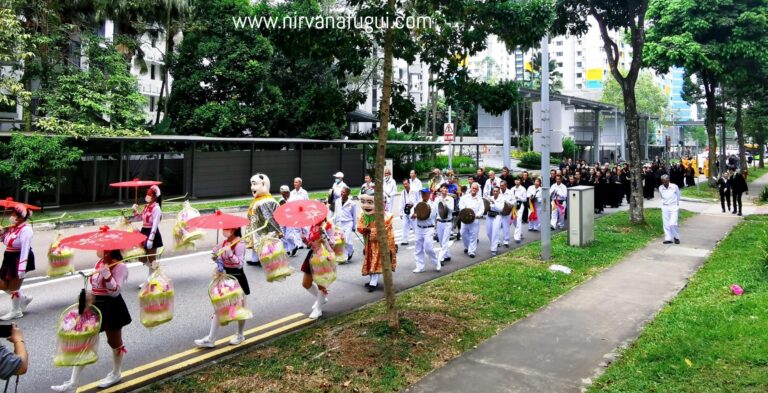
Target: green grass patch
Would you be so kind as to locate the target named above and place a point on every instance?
(440, 320)
(706, 339)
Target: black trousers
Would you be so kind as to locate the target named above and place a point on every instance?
(725, 197)
(737, 201)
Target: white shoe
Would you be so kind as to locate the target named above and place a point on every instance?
(418, 270)
(65, 387)
(205, 342)
(237, 339)
(110, 380)
(317, 312)
(12, 315)
(25, 302)
(438, 267)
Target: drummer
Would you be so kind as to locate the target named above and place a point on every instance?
(150, 226)
(425, 230)
(105, 294)
(444, 224)
(493, 220)
(17, 261)
(469, 232)
(506, 194)
(229, 262)
(519, 198)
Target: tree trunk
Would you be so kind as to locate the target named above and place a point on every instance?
(635, 163)
(386, 258)
(739, 125)
(711, 124)
(157, 107)
(761, 146)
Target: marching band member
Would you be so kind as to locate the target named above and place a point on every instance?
(291, 236)
(491, 182)
(345, 217)
(455, 189)
(315, 239)
(519, 197)
(106, 284)
(493, 220)
(535, 205)
(390, 190)
(470, 232)
(558, 194)
(366, 225)
(425, 230)
(410, 198)
(230, 262)
(444, 225)
(414, 181)
(506, 194)
(17, 261)
(150, 225)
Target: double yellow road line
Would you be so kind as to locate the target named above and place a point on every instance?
(165, 367)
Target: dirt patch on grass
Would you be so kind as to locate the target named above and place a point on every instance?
(352, 348)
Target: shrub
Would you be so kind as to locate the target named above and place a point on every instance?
(525, 143)
(461, 164)
(532, 160)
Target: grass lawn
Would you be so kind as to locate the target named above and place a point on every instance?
(710, 193)
(439, 320)
(706, 339)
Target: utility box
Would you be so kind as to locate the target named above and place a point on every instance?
(581, 215)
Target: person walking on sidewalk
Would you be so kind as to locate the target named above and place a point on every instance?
(493, 221)
(470, 232)
(425, 231)
(670, 205)
(739, 187)
(345, 217)
(724, 186)
(409, 198)
(444, 224)
(390, 190)
(520, 197)
(18, 259)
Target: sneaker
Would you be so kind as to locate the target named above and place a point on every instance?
(518, 241)
(205, 342)
(447, 259)
(471, 255)
(466, 251)
(506, 245)
(667, 242)
(68, 386)
(316, 313)
(417, 270)
(110, 380)
(438, 267)
(494, 253)
(12, 315)
(25, 302)
(677, 241)
(237, 339)
(404, 243)
(739, 214)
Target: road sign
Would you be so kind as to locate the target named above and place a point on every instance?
(448, 132)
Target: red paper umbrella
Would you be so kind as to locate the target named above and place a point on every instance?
(300, 214)
(136, 183)
(9, 203)
(104, 239)
(217, 221)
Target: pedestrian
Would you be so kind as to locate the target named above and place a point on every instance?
(366, 225)
(291, 236)
(413, 179)
(410, 197)
(526, 183)
(390, 190)
(105, 294)
(16, 362)
(425, 232)
(649, 183)
(536, 205)
(436, 180)
(480, 178)
(724, 187)
(490, 183)
(230, 262)
(506, 214)
(335, 191)
(670, 205)
(444, 225)
(507, 177)
(739, 187)
(316, 240)
(344, 218)
(151, 216)
(18, 259)
(367, 184)
(493, 220)
(469, 232)
(558, 194)
(455, 191)
(520, 196)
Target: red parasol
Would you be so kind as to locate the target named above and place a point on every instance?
(104, 239)
(300, 214)
(218, 220)
(9, 203)
(136, 183)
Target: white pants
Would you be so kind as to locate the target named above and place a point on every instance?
(669, 218)
(492, 229)
(389, 204)
(291, 238)
(535, 224)
(424, 245)
(519, 225)
(505, 228)
(408, 224)
(444, 236)
(558, 220)
(348, 227)
(469, 234)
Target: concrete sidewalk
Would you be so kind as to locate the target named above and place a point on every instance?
(564, 346)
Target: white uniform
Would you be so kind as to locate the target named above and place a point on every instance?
(292, 236)
(506, 220)
(534, 194)
(670, 205)
(519, 196)
(559, 193)
(493, 224)
(470, 232)
(335, 190)
(425, 231)
(415, 184)
(444, 228)
(345, 217)
(409, 223)
(390, 190)
(489, 184)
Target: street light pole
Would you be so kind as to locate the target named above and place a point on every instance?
(546, 235)
(450, 144)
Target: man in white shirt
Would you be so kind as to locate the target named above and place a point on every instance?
(425, 230)
(367, 184)
(519, 197)
(444, 225)
(414, 181)
(558, 193)
(298, 193)
(470, 232)
(291, 236)
(506, 220)
(345, 218)
(409, 196)
(492, 181)
(338, 185)
(493, 220)
(389, 189)
(670, 205)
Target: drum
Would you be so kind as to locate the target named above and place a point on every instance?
(407, 209)
(487, 203)
(423, 211)
(442, 211)
(467, 215)
(507, 210)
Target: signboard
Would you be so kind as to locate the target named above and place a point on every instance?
(448, 132)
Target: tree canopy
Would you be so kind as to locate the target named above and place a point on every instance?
(651, 100)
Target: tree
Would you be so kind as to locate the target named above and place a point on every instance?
(13, 51)
(697, 134)
(651, 100)
(756, 126)
(555, 76)
(35, 161)
(628, 16)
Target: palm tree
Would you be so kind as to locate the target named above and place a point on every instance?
(555, 76)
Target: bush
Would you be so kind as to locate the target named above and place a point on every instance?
(461, 164)
(525, 143)
(532, 160)
(569, 147)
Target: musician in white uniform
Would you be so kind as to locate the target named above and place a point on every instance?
(493, 220)
(415, 182)
(558, 194)
(492, 181)
(670, 206)
(389, 189)
(345, 217)
(506, 220)
(409, 196)
(425, 230)
(470, 232)
(519, 197)
(444, 225)
(535, 198)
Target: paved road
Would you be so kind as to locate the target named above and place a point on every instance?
(191, 274)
